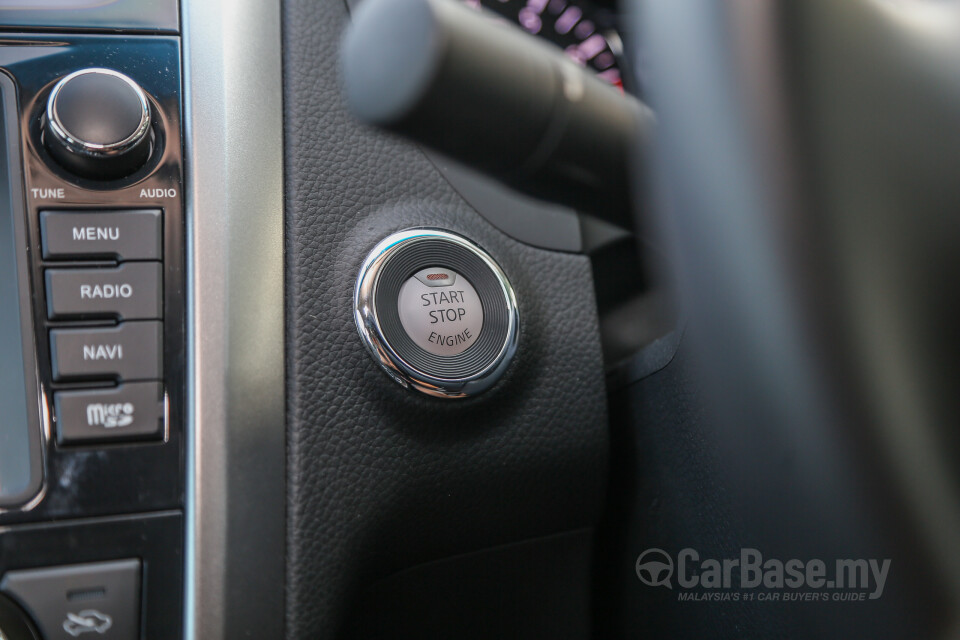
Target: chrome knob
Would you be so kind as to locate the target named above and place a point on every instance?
(98, 124)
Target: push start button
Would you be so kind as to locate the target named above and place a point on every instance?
(437, 313)
(441, 311)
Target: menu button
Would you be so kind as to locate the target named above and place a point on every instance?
(132, 234)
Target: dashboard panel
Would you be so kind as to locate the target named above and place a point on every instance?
(205, 407)
(93, 541)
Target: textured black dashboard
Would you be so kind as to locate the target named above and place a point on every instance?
(380, 479)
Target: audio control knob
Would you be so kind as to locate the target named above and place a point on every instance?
(98, 124)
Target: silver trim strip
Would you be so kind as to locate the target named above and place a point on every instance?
(368, 324)
(236, 485)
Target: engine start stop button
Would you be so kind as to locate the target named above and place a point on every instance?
(436, 312)
(440, 311)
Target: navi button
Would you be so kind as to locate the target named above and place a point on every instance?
(130, 351)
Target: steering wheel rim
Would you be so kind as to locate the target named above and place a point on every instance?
(804, 156)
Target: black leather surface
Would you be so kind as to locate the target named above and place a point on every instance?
(674, 485)
(381, 479)
(668, 492)
(531, 589)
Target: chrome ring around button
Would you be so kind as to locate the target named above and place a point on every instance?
(405, 255)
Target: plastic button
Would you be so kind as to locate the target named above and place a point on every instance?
(100, 600)
(440, 311)
(124, 235)
(131, 292)
(133, 411)
(131, 351)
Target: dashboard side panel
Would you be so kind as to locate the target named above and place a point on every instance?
(380, 480)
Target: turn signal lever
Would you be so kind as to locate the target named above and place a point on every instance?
(491, 96)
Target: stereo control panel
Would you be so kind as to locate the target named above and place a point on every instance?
(91, 542)
(105, 242)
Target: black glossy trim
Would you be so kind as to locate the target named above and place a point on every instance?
(155, 538)
(98, 480)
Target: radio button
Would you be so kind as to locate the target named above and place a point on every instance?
(133, 411)
(123, 235)
(130, 351)
(131, 292)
